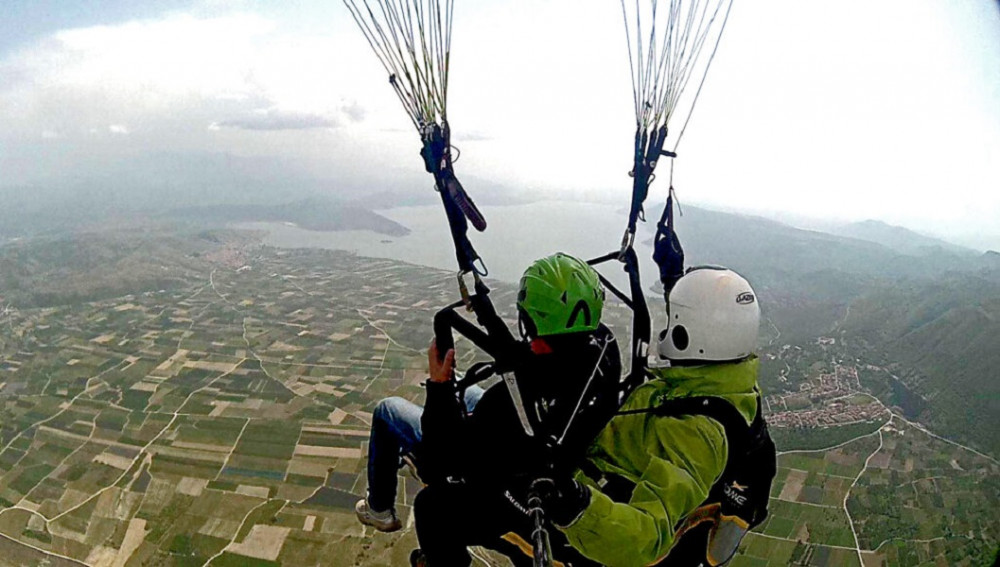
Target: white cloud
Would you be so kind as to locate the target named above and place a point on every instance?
(180, 55)
(276, 119)
(810, 107)
(238, 83)
(177, 69)
(354, 111)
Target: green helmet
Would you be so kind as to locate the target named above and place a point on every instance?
(560, 294)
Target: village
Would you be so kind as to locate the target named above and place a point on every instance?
(832, 397)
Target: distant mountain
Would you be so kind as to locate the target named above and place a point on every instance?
(897, 238)
(753, 243)
(928, 310)
(806, 277)
(310, 214)
(151, 184)
(943, 336)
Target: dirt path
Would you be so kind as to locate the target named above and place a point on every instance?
(134, 536)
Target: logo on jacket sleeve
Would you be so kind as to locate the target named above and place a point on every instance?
(735, 494)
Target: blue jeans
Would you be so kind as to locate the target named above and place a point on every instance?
(396, 432)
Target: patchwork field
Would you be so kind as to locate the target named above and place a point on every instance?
(226, 423)
(899, 496)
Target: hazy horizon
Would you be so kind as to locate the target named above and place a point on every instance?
(979, 242)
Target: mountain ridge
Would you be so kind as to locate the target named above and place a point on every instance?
(898, 238)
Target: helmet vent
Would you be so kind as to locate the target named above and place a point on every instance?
(580, 307)
(563, 297)
(680, 337)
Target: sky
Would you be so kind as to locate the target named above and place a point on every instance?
(846, 110)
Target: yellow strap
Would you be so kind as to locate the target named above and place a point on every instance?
(736, 520)
(712, 561)
(706, 513)
(525, 547)
(700, 515)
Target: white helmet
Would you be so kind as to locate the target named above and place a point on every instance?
(713, 316)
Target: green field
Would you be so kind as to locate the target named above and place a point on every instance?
(279, 354)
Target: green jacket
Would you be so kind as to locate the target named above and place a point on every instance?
(673, 462)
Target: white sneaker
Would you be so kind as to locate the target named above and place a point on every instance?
(385, 521)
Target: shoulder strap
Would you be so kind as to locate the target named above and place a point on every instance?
(717, 408)
(738, 433)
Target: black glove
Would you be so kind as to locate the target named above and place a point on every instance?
(562, 499)
(667, 251)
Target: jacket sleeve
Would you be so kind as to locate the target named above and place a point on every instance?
(443, 429)
(686, 456)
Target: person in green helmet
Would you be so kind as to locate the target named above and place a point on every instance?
(480, 464)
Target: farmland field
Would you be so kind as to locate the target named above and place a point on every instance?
(225, 422)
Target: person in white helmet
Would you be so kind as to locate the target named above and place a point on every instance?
(684, 469)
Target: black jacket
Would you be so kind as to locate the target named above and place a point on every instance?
(492, 445)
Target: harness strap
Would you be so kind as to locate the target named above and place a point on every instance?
(640, 316)
(457, 204)
(648, 149)
(640, 326)
(458, 226)
(714, 407)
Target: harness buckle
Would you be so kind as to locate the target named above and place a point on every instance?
(627, 240)
(463, 288)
